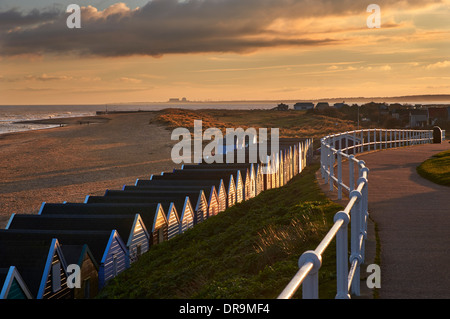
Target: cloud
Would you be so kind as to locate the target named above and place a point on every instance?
(15, 19)
(173, 27)
(45, 77)
(438, 65)
(130, 80)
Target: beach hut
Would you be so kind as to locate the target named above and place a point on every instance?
(179, 210)
(188, 184)
(282, 173)
(236, 173)
(286, 161)
(227, 179)
(296, 151)
(173, 219)
(197, 198)
(130, 227)
(266, 175)
(249, 158)
(12, 285)
(259, 179)
(40, 261)
(82, 256)
(275, 170)
(107, 247)
(295, 156)
(247, 172)
(210, 193)
(152, 213)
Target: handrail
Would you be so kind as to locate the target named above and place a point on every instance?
(332, 152)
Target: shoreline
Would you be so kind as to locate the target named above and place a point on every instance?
(69, 162)
(51, 123)
(66, 120)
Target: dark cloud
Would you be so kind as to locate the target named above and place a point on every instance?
(170, 26)
(14, 18)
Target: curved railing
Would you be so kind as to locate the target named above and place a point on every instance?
(335, 150)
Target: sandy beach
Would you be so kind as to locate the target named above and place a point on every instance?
(69, 162)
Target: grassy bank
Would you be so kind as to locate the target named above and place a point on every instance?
(291, 123)
(437, 169)
(248, 251)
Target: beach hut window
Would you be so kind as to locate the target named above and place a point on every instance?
(56, 277)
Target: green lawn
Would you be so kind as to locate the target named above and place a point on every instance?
(437, 169)
(249, 251)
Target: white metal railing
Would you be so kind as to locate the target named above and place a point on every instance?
(334, 149)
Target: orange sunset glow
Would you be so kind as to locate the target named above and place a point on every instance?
(140, 51)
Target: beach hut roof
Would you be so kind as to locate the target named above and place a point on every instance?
(124, 224)
(11, 283)
(74, 254)
(148, 211)
(98, 241)
(31, 255)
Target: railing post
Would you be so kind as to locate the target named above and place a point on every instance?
(368, 140)
(355, 231)
(351, 172)
(362, 142)
(375, 139)
(365, 214)
(341, 256)
(381, 139)
(310, 286)
(364, 209)
(396, 138)
(322, 158)
(331, 181)
(390, 138)
(339, 173)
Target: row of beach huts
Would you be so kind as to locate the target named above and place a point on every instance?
(71, 250)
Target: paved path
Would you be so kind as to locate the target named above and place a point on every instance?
(413, 219)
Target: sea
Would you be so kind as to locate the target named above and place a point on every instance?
(11, 115)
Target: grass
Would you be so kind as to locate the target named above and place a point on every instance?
(437, 169)
(291, 123)
(250, 251)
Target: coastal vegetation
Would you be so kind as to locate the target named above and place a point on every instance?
(248, 251)
(436, 169)
(291, 123)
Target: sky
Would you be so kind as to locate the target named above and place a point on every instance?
(215, 50)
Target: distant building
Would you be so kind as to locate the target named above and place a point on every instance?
(322, 105)
(174, 100)
(303, 106)
(340, 105)
(418, 118)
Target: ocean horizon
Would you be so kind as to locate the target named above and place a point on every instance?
(11, 116)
